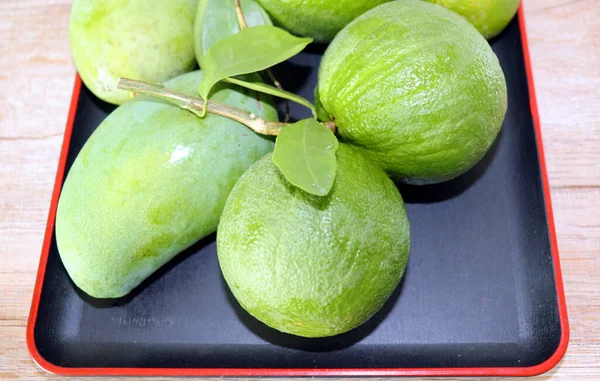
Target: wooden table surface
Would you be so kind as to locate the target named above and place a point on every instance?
(36, 80)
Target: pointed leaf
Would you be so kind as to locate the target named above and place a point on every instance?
(305, 155)
(253, 49)
(216, 19)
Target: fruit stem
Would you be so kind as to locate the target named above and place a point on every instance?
(266, 89)
(243, 25)
(331, 126)
(195, 105)
(240, 15)
(274, 80)
(278, 85)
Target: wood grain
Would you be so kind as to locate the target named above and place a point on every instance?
(36, 79)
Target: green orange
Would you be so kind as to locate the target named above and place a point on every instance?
(318, 19)
(308, 265)
(490, 17)
(416, 87)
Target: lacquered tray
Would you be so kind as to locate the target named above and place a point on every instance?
(482, 294)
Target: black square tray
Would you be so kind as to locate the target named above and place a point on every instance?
(482, 294)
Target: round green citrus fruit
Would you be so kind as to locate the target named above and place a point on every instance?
(318, 19)
(417, 87)
(150, 40)
(308, 265)
(490, 17)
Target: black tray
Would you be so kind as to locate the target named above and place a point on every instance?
(482, 294)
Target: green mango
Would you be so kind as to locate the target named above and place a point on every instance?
(151, 181)
(150, 40)
(318, 19)
(217, 19)
(417, 87)
(308, 265)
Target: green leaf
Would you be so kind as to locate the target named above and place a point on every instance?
(251, 50)
(305, 154)
(274, 91)
(216, 19)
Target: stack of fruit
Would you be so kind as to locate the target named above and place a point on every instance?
(312, 238)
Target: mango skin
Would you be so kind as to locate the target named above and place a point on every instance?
(417, 87)
(314, 266)
(150, 40)
(490, 17)
(149, 182)
(318, 19)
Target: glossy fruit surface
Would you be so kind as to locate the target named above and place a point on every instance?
(149, 40)
(150, 181)
(417, 87)
(490, 17)
(308, 265)
(318, 19)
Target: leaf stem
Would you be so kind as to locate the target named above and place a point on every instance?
(274, 80)
(240, 15)
(195, 106)
(278, 85)
(264, 88)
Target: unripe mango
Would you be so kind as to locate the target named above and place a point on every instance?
(149, 40)
(150, 181)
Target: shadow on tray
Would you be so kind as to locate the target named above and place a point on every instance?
(118, 302)
(426, 194)
(326, 344)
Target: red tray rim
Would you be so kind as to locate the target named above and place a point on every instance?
(543, 367)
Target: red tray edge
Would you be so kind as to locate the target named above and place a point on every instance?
(543, 367)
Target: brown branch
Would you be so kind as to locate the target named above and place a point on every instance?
(195, 106)
(240, 15)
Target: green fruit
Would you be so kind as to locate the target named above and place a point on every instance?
(417, 87)
(150, 40)
(318, 19)
(490, 17)
(217, 19)
(149, 182)
(308, 265)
